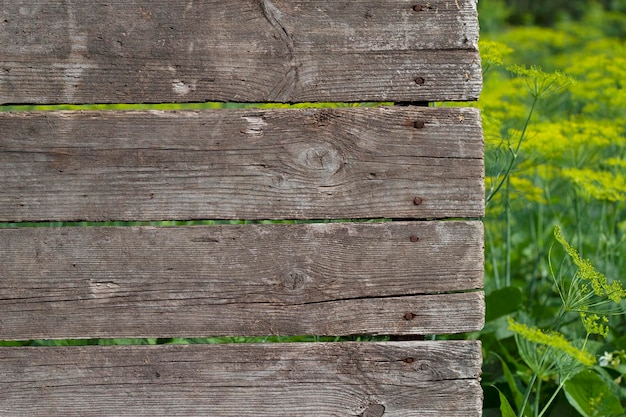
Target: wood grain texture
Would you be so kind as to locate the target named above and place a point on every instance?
(399, 379)
(149, 51)
(322, 279)
(241, 164)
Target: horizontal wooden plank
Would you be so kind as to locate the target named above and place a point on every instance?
(394, 162)
(322, 279)
(437, 378)
(238, 50)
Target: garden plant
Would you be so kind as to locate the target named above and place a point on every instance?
(554, 110)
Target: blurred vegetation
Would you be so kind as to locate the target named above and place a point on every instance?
(554, 116)
(542, 13)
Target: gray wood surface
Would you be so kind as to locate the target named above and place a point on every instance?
(238, 50)
(398, 379)
(242, 164)
(290, 279)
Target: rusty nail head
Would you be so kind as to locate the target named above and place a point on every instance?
(418, 124)
(419, 80)
(409, 360)
(417, 201)
(409, 316)
(419, 7)
(414, 238)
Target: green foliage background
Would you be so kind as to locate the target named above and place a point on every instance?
(554, 115)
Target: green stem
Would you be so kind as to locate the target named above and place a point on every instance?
(514, 152)
(494, 257)
(504, 177)
(508, 242)
(537, 397)
(579, 223)
(526, 124)
(561, 384)
(558, 319)
(529, 388)
(602, 249)
(552, 398)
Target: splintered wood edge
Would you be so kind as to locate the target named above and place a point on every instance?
(366, 379)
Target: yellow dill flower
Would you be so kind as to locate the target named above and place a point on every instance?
(537, 38)
(492, 53)
(593, 324)
(599, 185)
(526, 189)
(613, 291)
(600, 90)
(571, 140)
(548, 140)
(541, 83)
(553, 339)
(616, 162)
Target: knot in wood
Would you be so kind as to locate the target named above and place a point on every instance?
(322, 159)
(294, 280)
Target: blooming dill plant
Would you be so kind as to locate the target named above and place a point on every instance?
(550, 355)
(539, 85)
(555, 152)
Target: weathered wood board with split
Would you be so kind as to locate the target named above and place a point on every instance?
(238, 50)
(400, 379)
(322, 279)
(242, 164)
(378, 208)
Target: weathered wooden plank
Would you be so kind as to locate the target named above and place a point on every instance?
(323, 279)
(323, 379)
(238, 50)
(252, 164)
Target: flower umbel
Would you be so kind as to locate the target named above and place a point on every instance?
(541, 83)
(595, 324)
(587, 272)
(553, 339)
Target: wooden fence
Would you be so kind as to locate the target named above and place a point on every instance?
(420, 167)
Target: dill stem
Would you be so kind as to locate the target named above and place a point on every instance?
(554, 394)
(557, 390)
(537, 397)
(529, 388)
(508, 240)
(494, 258)
(514, 152)
(561, 384)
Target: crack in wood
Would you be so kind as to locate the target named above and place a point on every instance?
(377, 297)
(283, 90)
